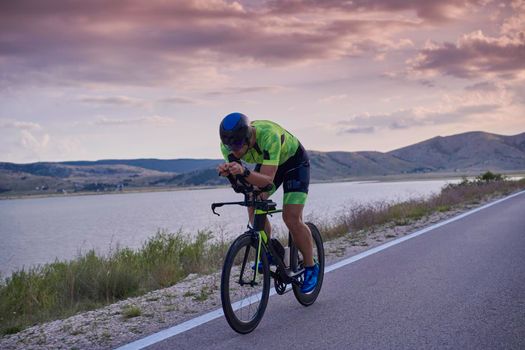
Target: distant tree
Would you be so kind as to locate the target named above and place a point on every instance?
(490, 176)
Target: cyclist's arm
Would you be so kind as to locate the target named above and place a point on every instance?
(264, 177)
(260, 179)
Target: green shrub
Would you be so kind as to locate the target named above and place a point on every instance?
(489, 176)
(11, 330)
(63, 288)
(131, 311)
(368, 216)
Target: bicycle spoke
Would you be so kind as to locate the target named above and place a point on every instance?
(246, 288)
(246, 253)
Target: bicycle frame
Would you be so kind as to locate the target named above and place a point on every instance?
(263, 208)
(288, 274)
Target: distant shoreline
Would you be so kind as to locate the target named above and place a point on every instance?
(374, 178)
(91, 193)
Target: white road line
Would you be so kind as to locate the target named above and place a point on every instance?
(195, 322)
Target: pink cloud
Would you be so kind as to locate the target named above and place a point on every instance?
(21, 125)
(434, 11)
(453, 112)
(144, 43)
(477, 55)
(148, 120)
(114, 101)
(474, 55)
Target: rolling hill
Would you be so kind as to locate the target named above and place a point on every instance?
(466, 153)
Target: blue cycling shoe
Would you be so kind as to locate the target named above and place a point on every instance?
(310, 278)
(270, 262)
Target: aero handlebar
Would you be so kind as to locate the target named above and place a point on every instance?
(240, 185)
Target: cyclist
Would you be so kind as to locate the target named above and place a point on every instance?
(280, 159)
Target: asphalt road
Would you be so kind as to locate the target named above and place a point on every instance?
(460, 286)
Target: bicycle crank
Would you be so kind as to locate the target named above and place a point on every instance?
(280, 286)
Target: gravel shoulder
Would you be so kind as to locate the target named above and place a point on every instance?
(135, 318)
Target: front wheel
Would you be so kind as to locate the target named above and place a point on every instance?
(244, 291)
(308, 299)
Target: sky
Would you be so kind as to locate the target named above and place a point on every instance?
(99, 79)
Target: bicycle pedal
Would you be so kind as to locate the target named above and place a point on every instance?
(292, 274)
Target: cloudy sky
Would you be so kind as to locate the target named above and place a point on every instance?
(105, 79)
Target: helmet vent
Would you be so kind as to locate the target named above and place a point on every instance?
(231, 120)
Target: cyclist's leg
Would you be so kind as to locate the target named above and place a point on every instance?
(295, 185)
(293, 214)
(302, 237)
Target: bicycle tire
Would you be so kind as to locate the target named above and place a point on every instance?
(247, 246)
(307, 299)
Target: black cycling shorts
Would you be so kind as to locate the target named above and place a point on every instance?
(294, 175)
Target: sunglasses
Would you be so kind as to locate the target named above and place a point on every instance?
(234, 145)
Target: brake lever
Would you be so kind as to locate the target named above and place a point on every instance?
(215, 205)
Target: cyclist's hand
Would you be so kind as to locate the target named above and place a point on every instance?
(235, 168)
(223, 169)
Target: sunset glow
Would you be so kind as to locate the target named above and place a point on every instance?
(87, 80)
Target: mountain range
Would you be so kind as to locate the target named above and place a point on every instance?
(466, 153)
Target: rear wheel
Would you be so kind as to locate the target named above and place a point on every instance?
(244, 291)
(308, 299)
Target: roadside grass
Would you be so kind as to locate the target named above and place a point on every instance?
(356, 219)
(131, 311)
(64, 288)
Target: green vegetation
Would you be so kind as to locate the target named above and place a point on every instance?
(489, 176)
(12, 330)
(359, 218)
(202, 296)
(131, 311)
(63, 288)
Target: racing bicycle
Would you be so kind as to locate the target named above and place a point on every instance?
(247, 273)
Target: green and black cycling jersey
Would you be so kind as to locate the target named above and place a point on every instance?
(276, 146)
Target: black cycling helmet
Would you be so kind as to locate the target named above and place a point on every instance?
(235, 131)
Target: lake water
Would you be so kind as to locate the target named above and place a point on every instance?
(36, 231)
